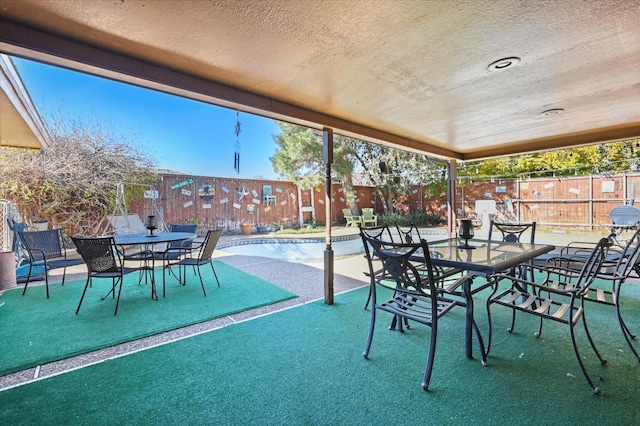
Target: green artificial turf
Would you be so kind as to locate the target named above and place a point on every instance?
(304, 366)
(35, 330)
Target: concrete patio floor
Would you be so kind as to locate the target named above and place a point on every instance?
(305, 279)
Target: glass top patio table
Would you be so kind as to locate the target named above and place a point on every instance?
(147, 240)
(160, 237)
(487, 257)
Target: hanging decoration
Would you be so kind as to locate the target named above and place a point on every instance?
(236, 154)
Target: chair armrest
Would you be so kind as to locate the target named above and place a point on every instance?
(522, 283)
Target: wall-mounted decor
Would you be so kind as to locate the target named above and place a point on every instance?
(255, 201)
(267, 195)
(224, 201)
(181, 184)
(574, 191)
(225, 189)
(206, 192)
(242, 193)
(548, 185)
(608, 186)
(150, 194)
(186, 192)
(187, 203)
(236, 206)
(206, 206)
(501, 189)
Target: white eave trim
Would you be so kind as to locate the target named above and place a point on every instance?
(11, 84)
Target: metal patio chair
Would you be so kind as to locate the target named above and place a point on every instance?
(415, 296)
(103, 260)
(203, 257)
(617, 268)
(45, 249)
(547, 301)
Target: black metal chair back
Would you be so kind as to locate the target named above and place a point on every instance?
(99, 254)
(513, 232)
(409, 235)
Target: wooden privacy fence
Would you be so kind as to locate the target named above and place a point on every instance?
(215, 202)
(575, 201)
(572, 201)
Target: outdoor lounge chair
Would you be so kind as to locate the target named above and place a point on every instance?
(45, 249)
(103, 260)
(414, 294)
(205, 251)
(548, 301)
(350, 218)
(368, 218)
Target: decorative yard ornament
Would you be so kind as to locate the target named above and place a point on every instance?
(242, 193)
(236, 154)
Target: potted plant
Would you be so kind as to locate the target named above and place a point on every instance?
(246, 228)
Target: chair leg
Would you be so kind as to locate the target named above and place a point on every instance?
(201, 282)
(366, 305)
(431, 356)
(86, 285)
(594, 388)
(490, 323)
(214, 273)
(591, 342)
(628, 335)
(120, 280)
(513, 321)
(372, 326)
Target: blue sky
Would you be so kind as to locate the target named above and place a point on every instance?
(181, 134)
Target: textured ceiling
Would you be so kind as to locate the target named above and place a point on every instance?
(408, 73)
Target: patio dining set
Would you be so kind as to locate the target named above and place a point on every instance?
(419, 281)
(114, 256)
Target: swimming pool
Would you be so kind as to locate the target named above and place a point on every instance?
(294, 249)
(302, 249)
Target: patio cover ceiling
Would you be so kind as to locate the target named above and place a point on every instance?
(411, 74)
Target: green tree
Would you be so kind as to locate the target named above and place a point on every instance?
(615, 157)
(299, 159)
(73, 184)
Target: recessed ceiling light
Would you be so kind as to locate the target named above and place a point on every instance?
(503, 63)
(552, 111)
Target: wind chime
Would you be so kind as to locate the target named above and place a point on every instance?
(236, 154)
